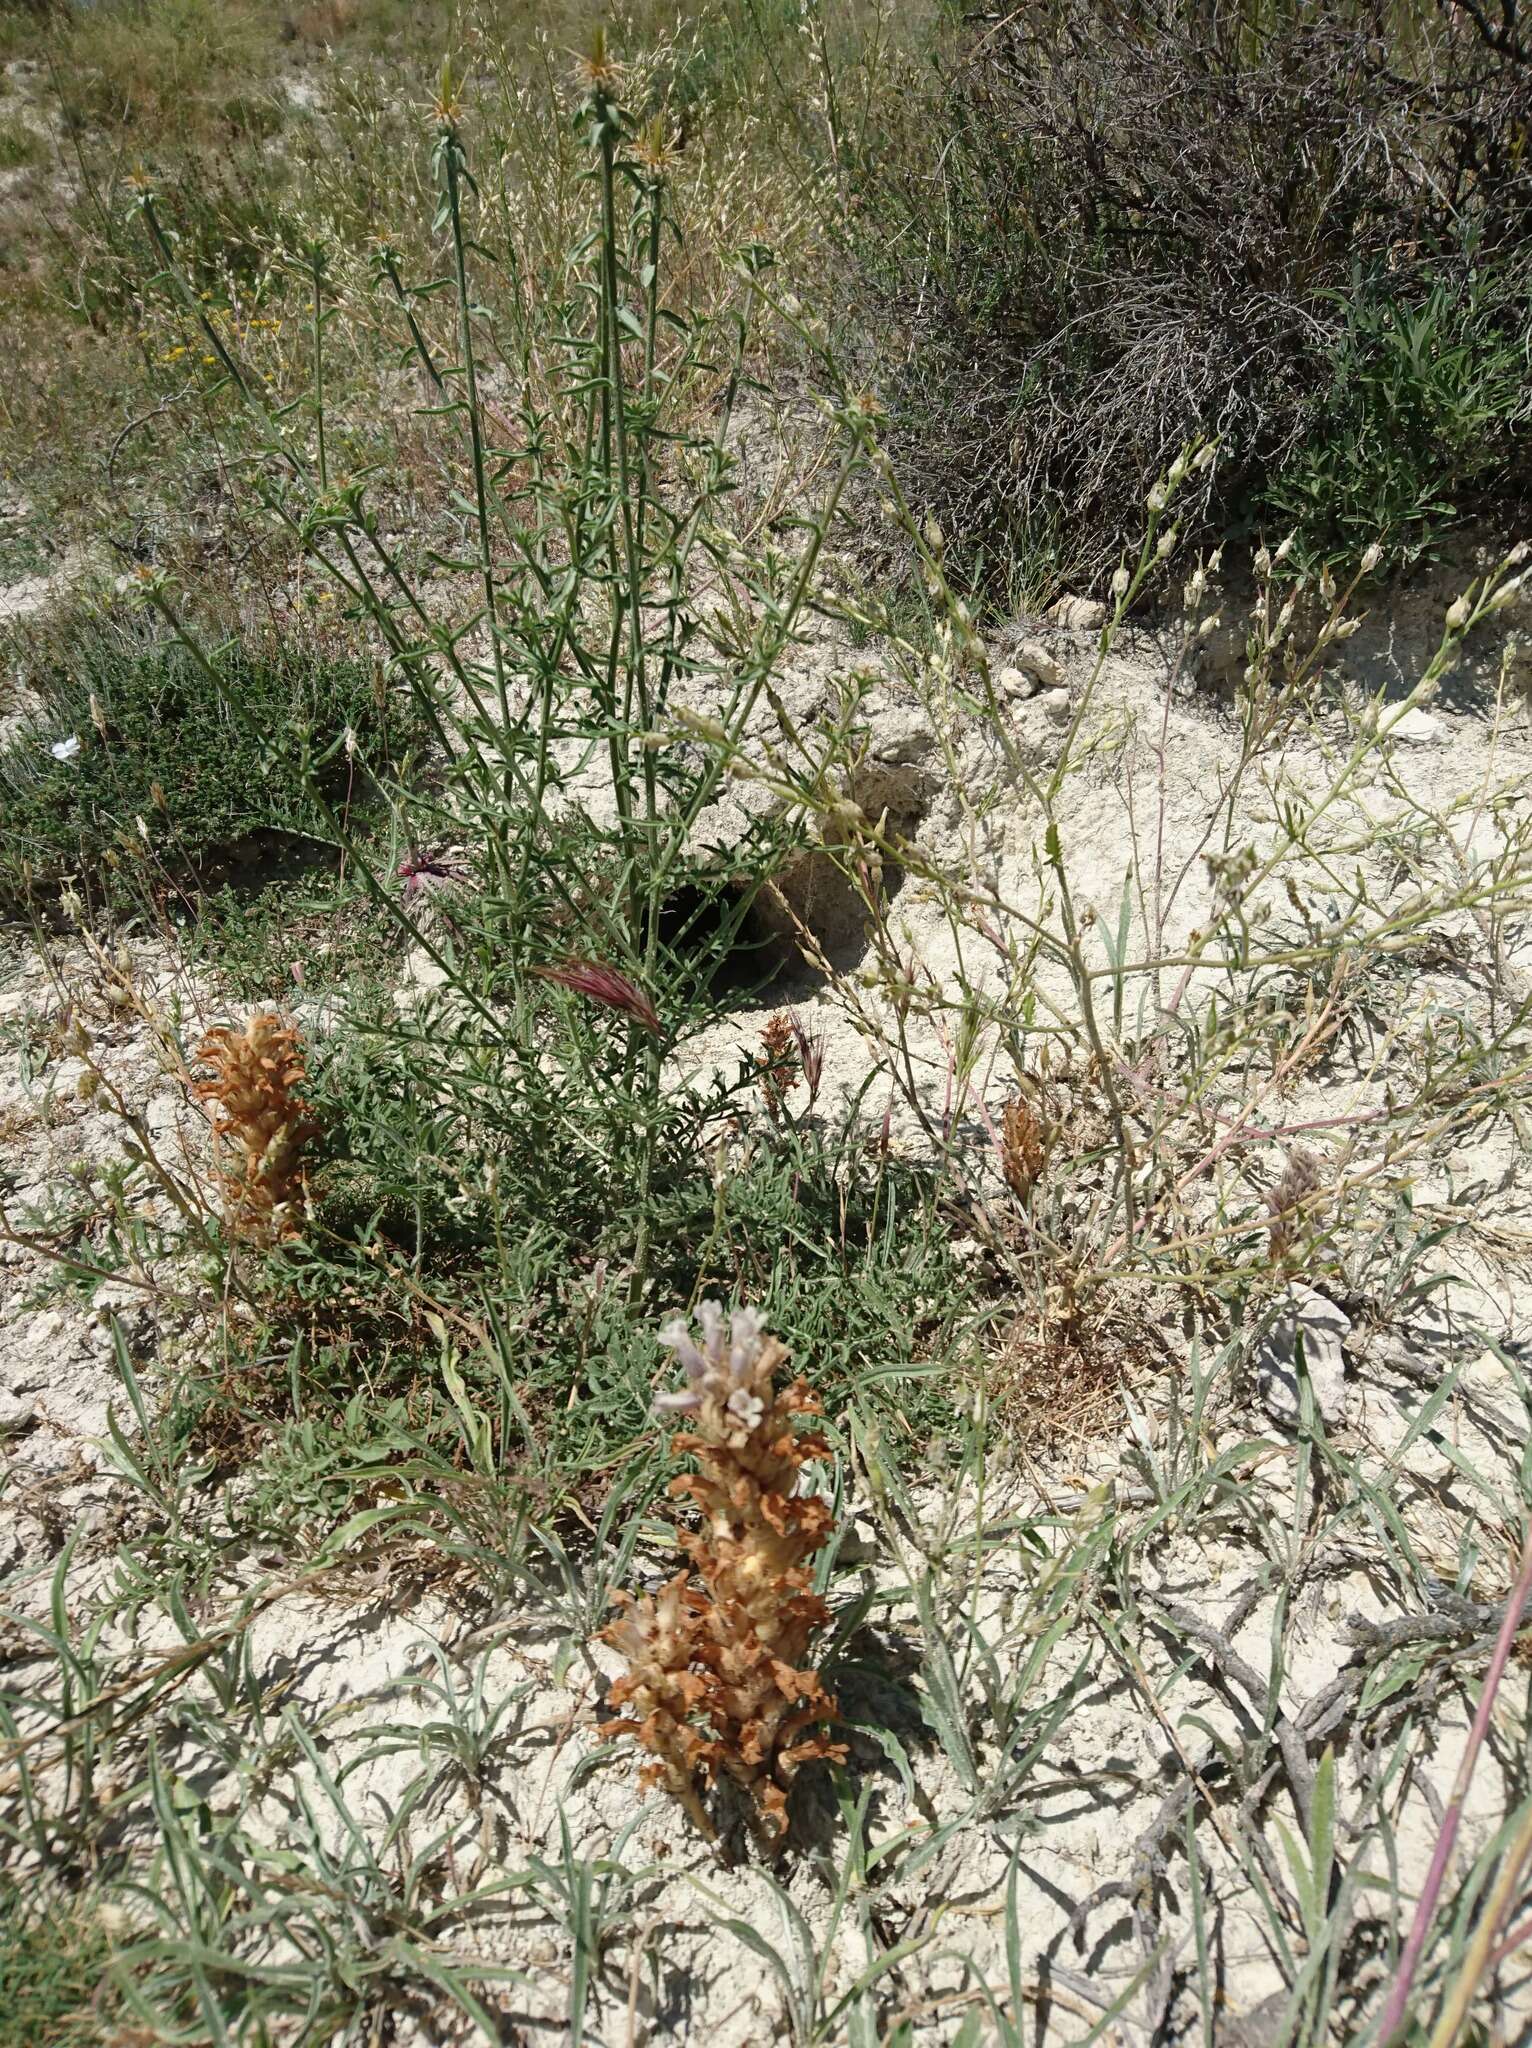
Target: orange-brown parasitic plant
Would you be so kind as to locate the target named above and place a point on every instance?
(776, 1065)
(261, 1126)
(718, 1679)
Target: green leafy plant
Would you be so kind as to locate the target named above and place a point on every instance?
(1424, 414)
(53, 1957)
(130, 777)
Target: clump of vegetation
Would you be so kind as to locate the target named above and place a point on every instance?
(135, 774)
(718, 1681)
(53, 1971)
(1298, 227)
(1422, 414)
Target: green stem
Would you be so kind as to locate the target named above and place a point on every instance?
(316, 258)
(453, 164)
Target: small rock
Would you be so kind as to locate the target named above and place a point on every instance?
(1261, 2027)
(1079, 614)
(1055, 706)
(1038, 662)
(1416, 726)
(162, 1116)
(16, 1415)
(902, 736)
(422, 970)
(48, 1456)
(1323, 1328)
(1015, 682)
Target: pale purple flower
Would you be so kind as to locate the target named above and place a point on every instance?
(720, 1367)
(745, 1408)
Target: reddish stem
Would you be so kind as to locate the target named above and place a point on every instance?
(1404, 1977)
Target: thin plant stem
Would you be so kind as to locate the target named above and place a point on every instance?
(1396, 2009)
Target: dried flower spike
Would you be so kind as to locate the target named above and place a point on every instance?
(606, 986)
(776, 1064)
(1023, 1146)
(261, 1120)
(1302, 1177)
(718, 1681)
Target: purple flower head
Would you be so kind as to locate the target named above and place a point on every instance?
(423, 874)
(721, 1367)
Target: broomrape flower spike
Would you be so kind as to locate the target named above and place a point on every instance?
(717, 1683)
(261, 1126)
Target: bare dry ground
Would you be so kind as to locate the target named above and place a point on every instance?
(1154, 1698)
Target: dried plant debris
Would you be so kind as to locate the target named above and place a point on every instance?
(1289, 1204)
(1023, 1146)
(718, 1679)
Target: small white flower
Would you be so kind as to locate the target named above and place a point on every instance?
(676, 1336)
(746, 1407)
(1458, 614)
(1371, 559)
(745, 1334)
(1120, 584)
(65, 750)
